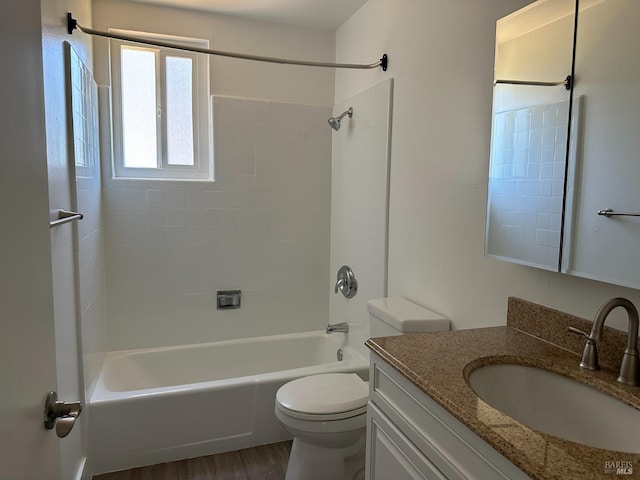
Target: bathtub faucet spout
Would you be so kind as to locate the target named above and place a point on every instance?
(338, 327)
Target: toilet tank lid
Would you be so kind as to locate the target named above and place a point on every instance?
(406, 316)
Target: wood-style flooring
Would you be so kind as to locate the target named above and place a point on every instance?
(267, 462)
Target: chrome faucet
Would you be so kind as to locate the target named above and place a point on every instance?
(338, 327)
(630, 366)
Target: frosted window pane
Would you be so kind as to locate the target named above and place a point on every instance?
(179, 110)
(139, 125)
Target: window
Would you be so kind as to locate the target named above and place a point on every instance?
(161, 111)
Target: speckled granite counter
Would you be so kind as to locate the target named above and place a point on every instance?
(440, 363)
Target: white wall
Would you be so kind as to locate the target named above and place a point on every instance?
(233, 77)
(359, 206)
(441, 57)
(542, 54)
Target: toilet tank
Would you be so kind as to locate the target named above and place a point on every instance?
(396, 316)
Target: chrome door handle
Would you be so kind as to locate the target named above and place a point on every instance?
(61, 414)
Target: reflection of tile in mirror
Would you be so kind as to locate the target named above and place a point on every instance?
(527, 160)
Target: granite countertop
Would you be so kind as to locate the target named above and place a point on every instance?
(440, 363)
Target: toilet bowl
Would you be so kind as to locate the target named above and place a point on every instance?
(327, 413)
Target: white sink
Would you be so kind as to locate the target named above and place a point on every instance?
(559, 406)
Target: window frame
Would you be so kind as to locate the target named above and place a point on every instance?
(202, 121)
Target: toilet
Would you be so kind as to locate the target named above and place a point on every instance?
(327, 413)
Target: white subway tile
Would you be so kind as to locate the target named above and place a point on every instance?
(176, 216)
(157, 217)
(175, 198)
(212, 199)
(156, 198)
(176, 234)
(194, 198)
(246, 183)
(247, 112)
(247, 165)
(136, 198)
(247, 132)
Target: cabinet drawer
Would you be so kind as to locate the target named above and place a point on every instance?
(453, 448)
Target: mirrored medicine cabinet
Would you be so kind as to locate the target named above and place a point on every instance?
(564, 172)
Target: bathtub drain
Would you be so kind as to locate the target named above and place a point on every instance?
(340, 354)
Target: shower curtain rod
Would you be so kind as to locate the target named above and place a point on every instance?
(73, 24)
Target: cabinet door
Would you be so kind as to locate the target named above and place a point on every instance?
(607, 248)
(391, 455)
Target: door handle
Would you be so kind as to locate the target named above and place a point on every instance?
(61, 414)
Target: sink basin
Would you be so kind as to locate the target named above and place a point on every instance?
(559, 406)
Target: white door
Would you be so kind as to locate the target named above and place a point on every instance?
(27, 336)
(607, 69)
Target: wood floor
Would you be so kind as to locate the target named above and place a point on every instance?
(267, 462)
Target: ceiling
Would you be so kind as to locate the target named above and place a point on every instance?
(329, 14)
(536, 15)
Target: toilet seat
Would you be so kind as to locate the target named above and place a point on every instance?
(305, 428)
(329, 396)
(315, 417)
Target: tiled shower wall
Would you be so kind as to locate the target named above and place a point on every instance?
(90, 238)
(359, 206)
(262, 226)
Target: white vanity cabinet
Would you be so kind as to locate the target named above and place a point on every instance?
(409, 436)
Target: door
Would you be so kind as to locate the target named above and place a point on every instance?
(605, 248)
(27, 337)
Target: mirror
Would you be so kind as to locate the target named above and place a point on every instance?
(531, 111)
(567, 200)
(607, 248)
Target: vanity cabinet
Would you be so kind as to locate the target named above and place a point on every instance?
(410, 436)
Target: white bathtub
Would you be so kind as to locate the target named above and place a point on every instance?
(157, 405)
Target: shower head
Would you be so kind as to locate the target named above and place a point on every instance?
(335, 121)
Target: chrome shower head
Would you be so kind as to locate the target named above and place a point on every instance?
(335, 121)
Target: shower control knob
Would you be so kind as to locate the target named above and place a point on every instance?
(346, 282)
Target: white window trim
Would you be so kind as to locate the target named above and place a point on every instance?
(203, 133)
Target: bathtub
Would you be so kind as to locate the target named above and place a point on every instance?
(157, 405)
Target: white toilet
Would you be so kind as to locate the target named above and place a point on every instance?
(327, 413)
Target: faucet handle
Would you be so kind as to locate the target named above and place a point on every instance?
(590, 354)
(346, 282)
(578, 331)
